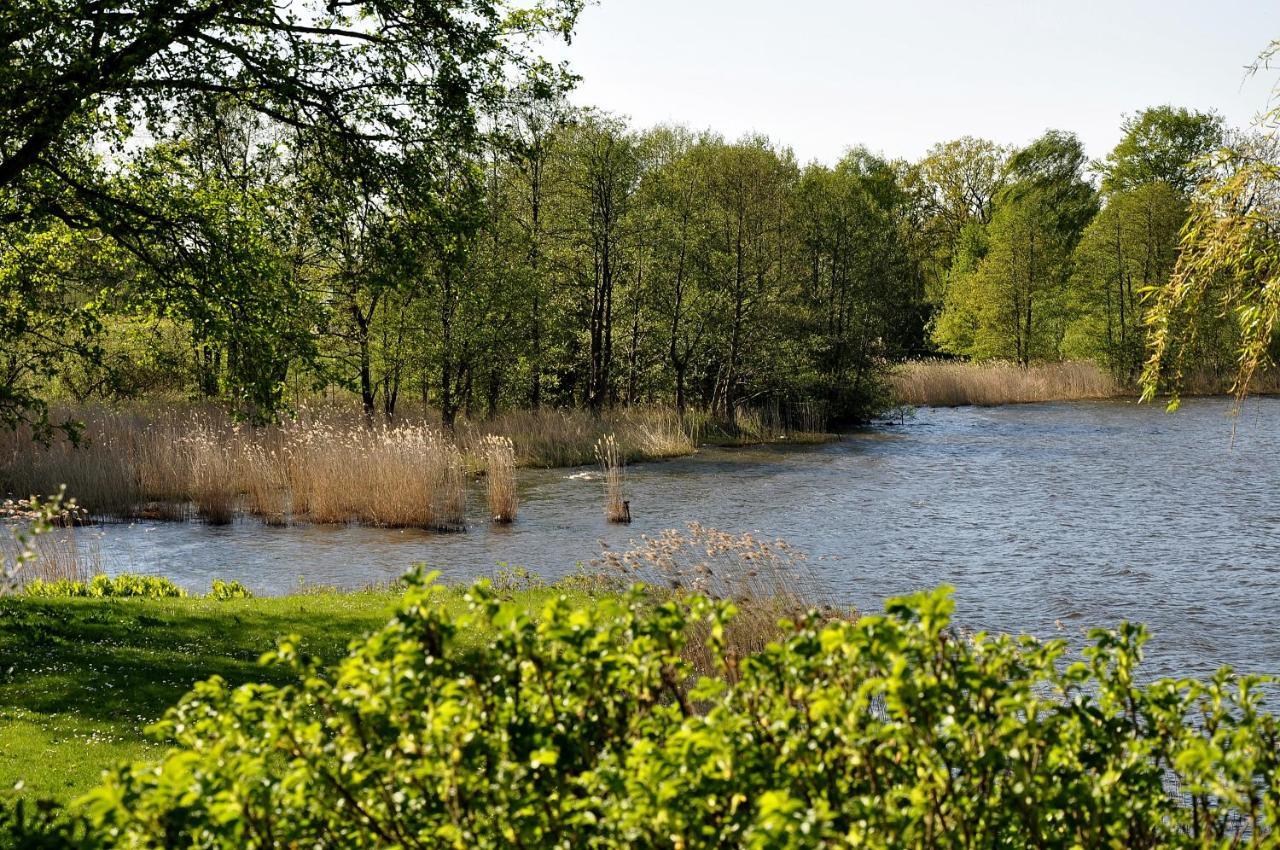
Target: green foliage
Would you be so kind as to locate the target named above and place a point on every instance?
(1163, 144)
(108, 587)
(860, 297)
(1006, 295)
(43, 826)
(223, 590)
(1228, 267)
(114, 128)
(51, 278)
(1130, 247)
(1012, 305)
(583, 727)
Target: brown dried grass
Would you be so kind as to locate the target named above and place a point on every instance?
(404, 476)
(613, 468)
(57, 554)
(551, 438)
(321, 469)
(951, 383)
(500, 478)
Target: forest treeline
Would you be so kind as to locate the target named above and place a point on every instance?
(589, 263)
(503, 249)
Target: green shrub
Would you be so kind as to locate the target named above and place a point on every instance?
(46, 826)
(583, 728)
(223, 590)
(104, 587)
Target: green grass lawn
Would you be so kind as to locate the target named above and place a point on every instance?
(80, 679)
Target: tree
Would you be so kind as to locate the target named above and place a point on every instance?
(1008, 298)
(750, 188)
(1130, 247)
(961, 180)
(1053, 167)
(51, 282)
(534, 125)
(84, 86)
(1016, 294)
(1228, 266)
(353, 219)
(859, 288)
(1229, 263)
(673, 193)
(602, 170)
(361, 74)
(1163, 143)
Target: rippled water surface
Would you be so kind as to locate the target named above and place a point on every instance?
(1046, 518)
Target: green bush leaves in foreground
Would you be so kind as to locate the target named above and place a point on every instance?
(582, 727)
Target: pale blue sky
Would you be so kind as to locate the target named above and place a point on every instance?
(822, 75)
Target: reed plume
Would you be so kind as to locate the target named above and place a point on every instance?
(500, 478)
(616, 506)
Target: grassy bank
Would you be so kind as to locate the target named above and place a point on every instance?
(80, 679)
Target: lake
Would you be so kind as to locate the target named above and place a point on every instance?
(1047, 518)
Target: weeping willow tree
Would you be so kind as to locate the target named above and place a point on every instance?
(1228, 268)
(1228, 265)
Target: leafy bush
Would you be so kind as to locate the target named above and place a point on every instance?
(104, 587)
(45, 826)
(223, 590)
(583, 728)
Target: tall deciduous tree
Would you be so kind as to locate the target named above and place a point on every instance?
(83, 86)
(1163, 143)
(1130, 247)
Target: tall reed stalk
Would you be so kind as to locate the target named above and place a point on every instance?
(612, 465)
(500, 478)
(55, 555)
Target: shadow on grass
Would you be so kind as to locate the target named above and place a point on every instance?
(126, 662)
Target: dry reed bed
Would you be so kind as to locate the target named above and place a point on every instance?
(551, 438)
(55, 555)
(327, 465)
(500, 478)
(949, 383)
(171, 465)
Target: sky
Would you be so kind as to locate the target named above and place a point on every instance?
(898, 76)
